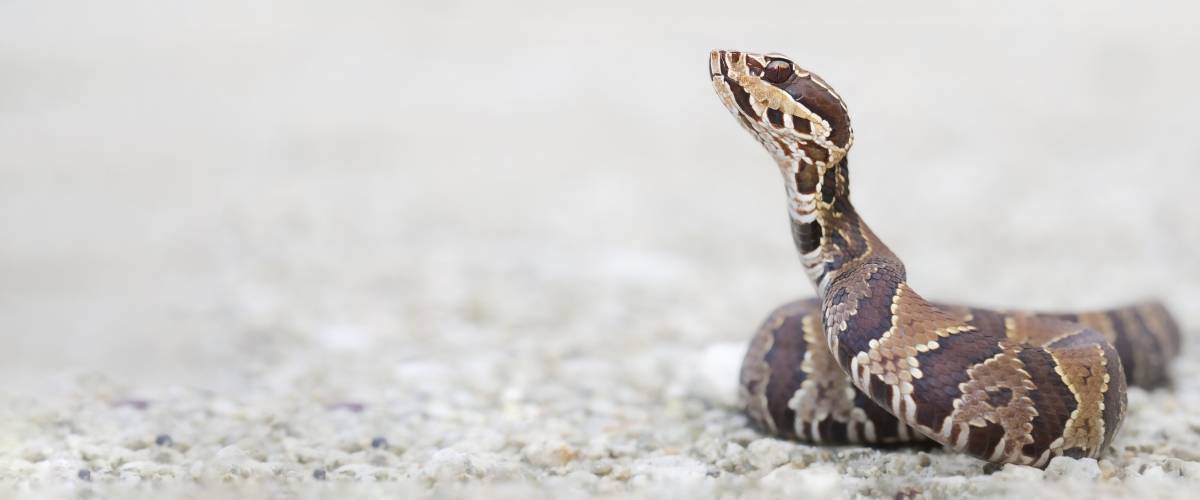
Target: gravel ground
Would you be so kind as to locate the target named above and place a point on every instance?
(476, 250)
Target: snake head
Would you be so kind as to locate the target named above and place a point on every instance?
(791, 111)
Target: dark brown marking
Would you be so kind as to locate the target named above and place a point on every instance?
(1152, 347)
(838, 239)
(880, 391)
(1124, 344)
(775, 117)
(754, 376)
(807, 236)
(1146, 345)
(874, 315)
(856, 239)
(886, 430)
(1074, 452)
(1069, 318)
(741, 97)
(944, 368)
(1000, 396)
(822, 102)
(1158, 322)
(829, 185)
(784, 358)
(753, 65)
(831, 430)
(806, 179)
(1169, 328)
(817, 153)
(1052, 399)
(982, 439)
(842, 205)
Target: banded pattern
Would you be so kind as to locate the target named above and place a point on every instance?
(1005, 387)
(791, 385)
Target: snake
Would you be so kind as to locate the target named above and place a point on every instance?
(870, 361)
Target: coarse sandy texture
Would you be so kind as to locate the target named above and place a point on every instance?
(504, 250)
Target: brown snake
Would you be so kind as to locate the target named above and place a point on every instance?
(870, 361)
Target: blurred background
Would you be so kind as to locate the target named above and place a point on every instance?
(190, 192)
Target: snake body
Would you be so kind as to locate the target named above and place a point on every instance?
(792, 387)
(870, 360)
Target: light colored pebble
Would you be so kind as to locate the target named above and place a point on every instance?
(549, 453)
(448, 463)
(813, 482)
(671, 468)
(1066, 468)
(767, 453)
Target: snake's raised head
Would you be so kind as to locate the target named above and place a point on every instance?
(791, 111)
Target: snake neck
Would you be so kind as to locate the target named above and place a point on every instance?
(829, 234)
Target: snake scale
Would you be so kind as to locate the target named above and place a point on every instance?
(871, 361)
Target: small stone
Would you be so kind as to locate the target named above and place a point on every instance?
(357, 472)
(1061, 468)
(164, 440)
(34, 455)
(672, 468)
(1013, 473)
(924, 459)
(1189, 469)
(448, 463)
(549, 453)
(1108, 470)
(822, 481)
(602, 468)
(230, 454)
(1154, 472)
(319, 474)
(379, 443)
(766, 454)
(1173, 466)
(580, 477)
(85, 475)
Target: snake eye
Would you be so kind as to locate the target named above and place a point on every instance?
(777, 71)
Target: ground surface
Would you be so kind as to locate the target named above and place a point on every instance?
(477, 250)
